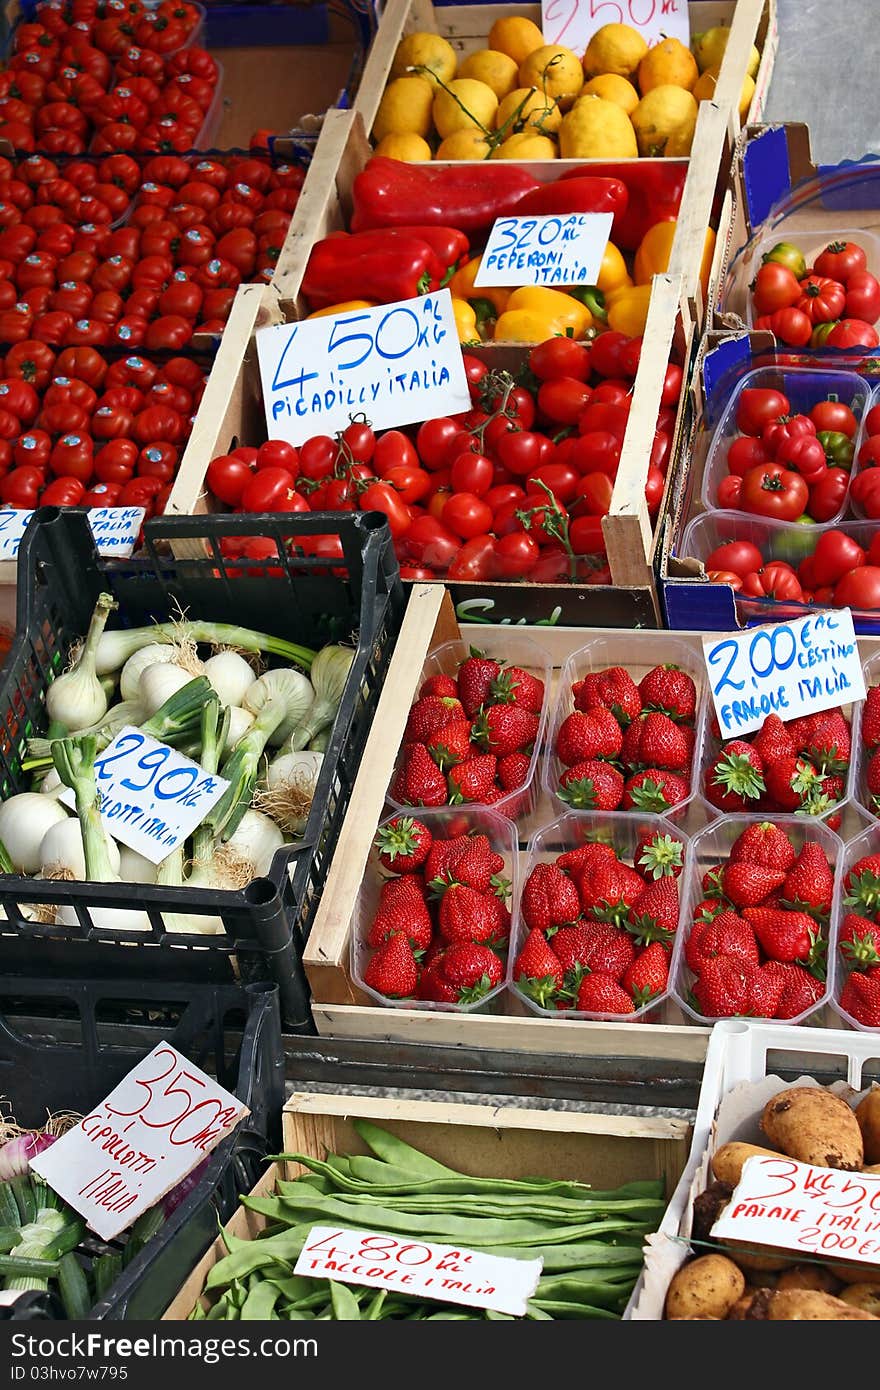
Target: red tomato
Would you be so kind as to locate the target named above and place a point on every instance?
(594, 495)
(730, 491)
(33, 449)
(116, 461)
(791, 326)
(434, 440)
(277, 453)
(737, 557)
(859, 588)
(429, 542)
(562, 399)
(744, 453)
(773, 491)
(865, 492)
(822, 299)
(170, 332)
(32, 361)
(516, 555)
(382, 497)
(828, 495)
(607, 354)
(64, 492)
(158, 460)
(775, 287)
(227, 477)
(586, 536)
(850, 333)
(834, 415)
(358, 442)
(598, 451)
(605, 416)
(835, 554)
(467, 515)
(271, 490)
(72, 457)
(840, 260)
(19, 398)
(776, 580)
(521, 451)
(862, 297)
(21, 488)
(805, 454)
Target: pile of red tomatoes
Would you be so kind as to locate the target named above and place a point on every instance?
(834, 303)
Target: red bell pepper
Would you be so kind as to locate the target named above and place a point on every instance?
(449, 244)
(584, 194)
(391, 193)
(655, 187)
(345, 267)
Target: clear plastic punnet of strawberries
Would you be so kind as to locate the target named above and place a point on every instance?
(797, 766)
(857, 997)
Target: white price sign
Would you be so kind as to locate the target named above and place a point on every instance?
(396, 364)
(819, 1211)
(420, 1268)
(115, 530)
(789, 669)
(151, 796)
(574, 22)
(557, 251)
(153, 1129)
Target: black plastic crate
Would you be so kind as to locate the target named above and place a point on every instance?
(291, 595)
(64, 1045)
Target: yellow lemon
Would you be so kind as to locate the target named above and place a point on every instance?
(664, 121)
(597, 129)
(406, 146)
(428, 51)
(554, 70)
(515, 37)
(464, 104)
(464, 144)
(527, 145)
(615, 48)
(704, 87)
(707, 82)
(747, 92)
(710, 46)
(613, 88)
(667, 64)
(405, 108)
(495, 69)
(527, 108)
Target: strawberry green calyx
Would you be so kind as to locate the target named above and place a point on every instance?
(543, 990)
(643, 994)
(864, 893)
(661, 856)
(403, 837)
(650, 796)
(614, 912)
(503, 688)
(646, 929)
(471, 994)
(736, 775)
(816, 961)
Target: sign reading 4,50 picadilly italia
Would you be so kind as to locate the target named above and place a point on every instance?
(396, 364)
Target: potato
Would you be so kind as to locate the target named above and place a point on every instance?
(706, 1287)
(814, 1126)
(856, 1274)
(864, 1296)
(811, 1305)
(868, 1119)
(727, 1162)
(741, 1307)
(809, 1277)
(708, 1206)
(773, 1260)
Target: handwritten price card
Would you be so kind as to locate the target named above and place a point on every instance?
(115, 530)
(152, 797)
(574, 22)
(13, 524)
(138, 1144)
(820, 1211)
(559, 251)
(422, 1269)
(789, 669)
(396, 364)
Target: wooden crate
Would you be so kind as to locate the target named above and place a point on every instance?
(339, 1008)
(510, 1141)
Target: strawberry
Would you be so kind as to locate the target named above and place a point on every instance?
(871, 719)
(582, 737)
(792, 783)
(655, 740)
(748, 885)
(419, 781)
(601, 994)
(648, 975)
(859, 940)
(514, 686)
(402, 910)
(711, 880)
(728, 934)
(591, 786)
(722, 988)
(475, 866)
(800, 989)
(403, 844)
(654, 790)
(786, 936)
(809, 883)
(513, 771)
(434, 985)
(429, 714)
(475, 676)
(736, 777)
(444, 855)
(609, 889)
(472, 970)
(862, 886)
(451, 744)
(860, 997)
(473, 779)
(826, 741)
(872, 774)
(773, 740)
(707, 909)
(577, 860)
(549, 898)
(393, 970)
(764, 992)
(763, 843)
(657, 855)
(466, 915)
(439, 685)
(654, 914)
(614, 688)
(595, 946)
(537, 969)
(671, 690)
(503, 729)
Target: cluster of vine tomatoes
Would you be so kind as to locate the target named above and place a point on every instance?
(198, 229)
(116, 74)
(515, 488)
(834, 303)
(82, 429)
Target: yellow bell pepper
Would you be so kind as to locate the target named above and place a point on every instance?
(345, 308)
(558, 307)
(655, 250)
(465, 321)
(613, 273)
(461, 286)
(526, 326)
(628, 309)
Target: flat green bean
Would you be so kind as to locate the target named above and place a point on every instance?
(343, 1302)
(559, 1309)
(374, 1307)
(260, 1302)
(388, 1146)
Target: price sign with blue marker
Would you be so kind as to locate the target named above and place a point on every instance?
(790, 669)
(551, 251)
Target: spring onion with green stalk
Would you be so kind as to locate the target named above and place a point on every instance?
(115, 648)
(590, 1241)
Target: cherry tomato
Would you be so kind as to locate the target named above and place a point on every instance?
(428, 542)
(434, 439)
(598, 451)
(562, 399)
(560, 357)
(516, 555)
